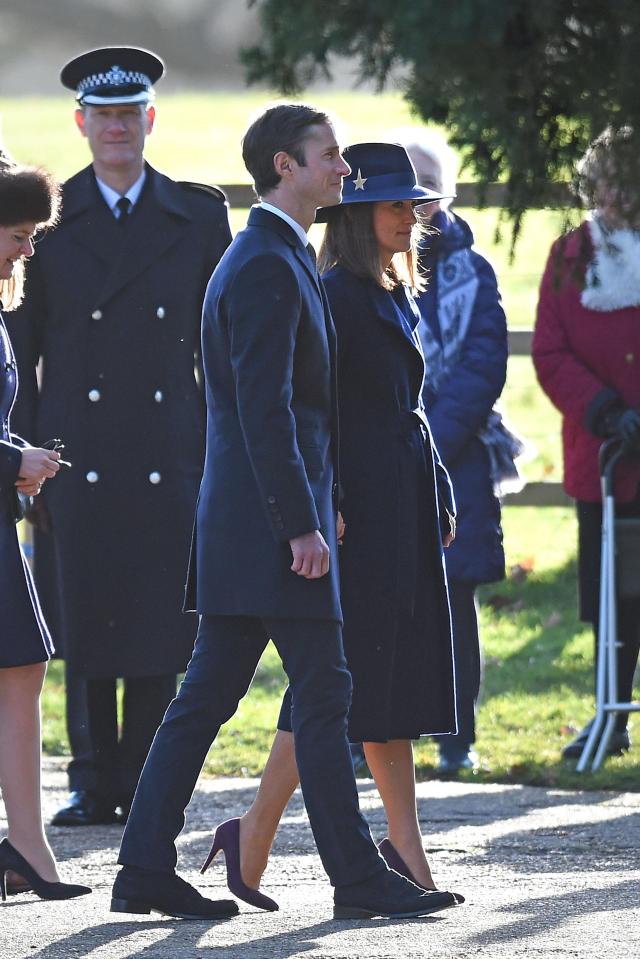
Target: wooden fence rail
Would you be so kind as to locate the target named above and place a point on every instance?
(241, 195)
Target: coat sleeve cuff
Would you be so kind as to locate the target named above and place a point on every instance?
(10, 460)
(596, 412)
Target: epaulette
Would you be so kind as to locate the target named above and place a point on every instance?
(213, 191)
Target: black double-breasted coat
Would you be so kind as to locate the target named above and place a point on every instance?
(114, 314)
(397, 632)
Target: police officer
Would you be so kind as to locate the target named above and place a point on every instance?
(113, 312)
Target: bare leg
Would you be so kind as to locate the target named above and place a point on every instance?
(392, 768)
(20, 751)
(259, 824)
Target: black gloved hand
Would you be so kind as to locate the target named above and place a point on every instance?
(625, 425)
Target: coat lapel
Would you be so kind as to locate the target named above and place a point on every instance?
(90, 222)
(153, 229)
(155, 226)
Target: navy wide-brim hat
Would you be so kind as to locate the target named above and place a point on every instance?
(113, 75)
(379, 171)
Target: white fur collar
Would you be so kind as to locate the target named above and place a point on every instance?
(613, 276)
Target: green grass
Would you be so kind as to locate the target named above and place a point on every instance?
(537, 688)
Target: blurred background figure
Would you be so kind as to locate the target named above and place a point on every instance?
(464, 338)
(113, 313)
(28, 201)
(586, 351)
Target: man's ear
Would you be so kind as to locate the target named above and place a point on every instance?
(151, 116)
(79, 117)
(283, 164)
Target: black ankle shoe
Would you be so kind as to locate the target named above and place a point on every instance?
(12, 860)
(82, 808)
(141, 891)
(391, 895)
(619, 742)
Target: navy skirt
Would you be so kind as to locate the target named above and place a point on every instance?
(24, 636)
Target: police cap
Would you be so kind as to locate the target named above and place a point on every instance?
(113, 75)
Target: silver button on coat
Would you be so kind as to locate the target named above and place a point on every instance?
(155, 477)
(96, 315)
(158, 396)
(92, 477)
(94, 395)
(161, 312)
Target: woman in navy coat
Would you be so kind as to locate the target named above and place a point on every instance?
(28, 199)
(397, 507)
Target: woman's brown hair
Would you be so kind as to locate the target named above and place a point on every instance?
(27, 195)
(350, 241)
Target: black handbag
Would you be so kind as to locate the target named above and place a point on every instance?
(21, 504)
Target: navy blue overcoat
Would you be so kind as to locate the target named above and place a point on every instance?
(114, 314)
(268, 348)
(397, 632)
(24, 637)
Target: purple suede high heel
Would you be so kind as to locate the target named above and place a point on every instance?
(395, 861)
(227, 839)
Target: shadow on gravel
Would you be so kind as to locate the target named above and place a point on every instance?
(184, 939)
(592, 847)
(544, 915)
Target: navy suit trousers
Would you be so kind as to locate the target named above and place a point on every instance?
(227, 651)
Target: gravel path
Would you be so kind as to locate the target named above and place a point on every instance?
(546, 873)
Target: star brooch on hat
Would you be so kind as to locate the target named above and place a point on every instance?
(360, 180)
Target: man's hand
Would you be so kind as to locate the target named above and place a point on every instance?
(310, 555)
(36, 466)
(340, 528)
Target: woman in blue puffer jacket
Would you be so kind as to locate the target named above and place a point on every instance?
(464, 338)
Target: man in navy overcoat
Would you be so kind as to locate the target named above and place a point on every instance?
(263, 562)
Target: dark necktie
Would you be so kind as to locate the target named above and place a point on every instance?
(312, 254)
(123, 205)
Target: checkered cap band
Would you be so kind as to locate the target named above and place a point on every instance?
(115, 77)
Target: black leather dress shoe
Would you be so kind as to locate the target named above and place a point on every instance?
(619, 743)
(82, 808)
(139, 891)
(391, 895)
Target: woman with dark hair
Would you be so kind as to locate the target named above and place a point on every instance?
(28, 201)
(398, 512)
(586, 351)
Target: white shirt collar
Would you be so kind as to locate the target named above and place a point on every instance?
(295, 226)
(111, 197)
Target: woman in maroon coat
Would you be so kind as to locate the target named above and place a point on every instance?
(586, 351)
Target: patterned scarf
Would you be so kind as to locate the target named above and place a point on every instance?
(457, 286)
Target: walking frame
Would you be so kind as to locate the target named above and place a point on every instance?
(619, 576)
